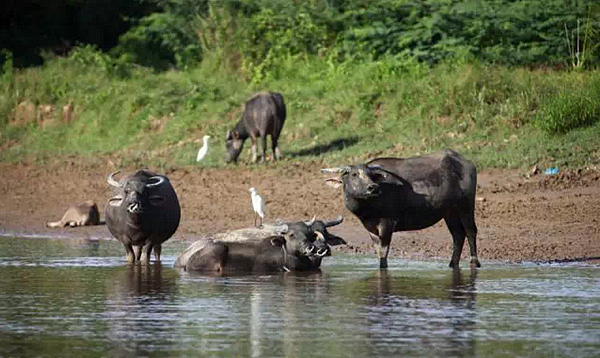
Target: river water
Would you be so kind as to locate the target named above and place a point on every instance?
(78, 298)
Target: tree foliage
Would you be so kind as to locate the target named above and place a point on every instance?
(255, 35)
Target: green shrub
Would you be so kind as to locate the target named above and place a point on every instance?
(570, 109)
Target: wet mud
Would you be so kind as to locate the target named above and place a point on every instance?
(519, 217)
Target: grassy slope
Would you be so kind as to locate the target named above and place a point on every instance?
(336, 113)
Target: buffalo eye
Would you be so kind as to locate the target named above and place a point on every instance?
(354, 175)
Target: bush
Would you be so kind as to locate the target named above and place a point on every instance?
(570, 109)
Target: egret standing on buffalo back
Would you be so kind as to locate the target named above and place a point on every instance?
(258, 205)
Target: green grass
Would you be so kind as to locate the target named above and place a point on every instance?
(336, 112)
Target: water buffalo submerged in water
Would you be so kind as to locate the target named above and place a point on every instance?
(297, 246)
(144, 213)
(264, 115)
(400, 194)
(79, 215)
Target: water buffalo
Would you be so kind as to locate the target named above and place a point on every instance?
(264, 115)
(400, 194)
(79, 215)
(144, 213)
(297, 246)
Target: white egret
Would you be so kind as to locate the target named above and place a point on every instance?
(258, 205)
(202, 152)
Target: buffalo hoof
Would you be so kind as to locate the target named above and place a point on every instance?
(383, 263)
(453, 264)
(475, 263)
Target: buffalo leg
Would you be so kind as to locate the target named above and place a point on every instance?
(129, 253)
(157, 252)
(468, 221)
(382, 241)
(274, 146)
(146, 252)
(458, 237)
(137, 252)
(254, 150)
(263, 142)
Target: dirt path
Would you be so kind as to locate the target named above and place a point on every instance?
(539, 218)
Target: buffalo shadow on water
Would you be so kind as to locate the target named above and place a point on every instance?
(335, 145)
(403, 305)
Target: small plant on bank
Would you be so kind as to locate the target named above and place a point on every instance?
(570, 109)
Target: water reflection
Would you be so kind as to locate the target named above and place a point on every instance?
(138, 308)
(403, 308)
(80, 299)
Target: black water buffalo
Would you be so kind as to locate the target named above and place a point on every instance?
(297, 246)
(400, 194)
(144, 213)
(264, 115)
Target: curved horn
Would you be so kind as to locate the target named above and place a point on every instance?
(344, 169)
(112, 181)
(374, 166)
(159, 182)
(320, 235)
(335, 222)
(282, 229)
(311, 222)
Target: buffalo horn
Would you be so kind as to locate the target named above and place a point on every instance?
(311, 222)
(112, 181)
(282, 229)
(343, 169)
(320, 235)
(159, 179)
(335, 222)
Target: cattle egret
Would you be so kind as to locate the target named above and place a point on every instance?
(202, 152)
(258, 205)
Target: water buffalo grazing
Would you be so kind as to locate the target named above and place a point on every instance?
(400, 194)
(264, 115)
(144, 213)
(79, 215)
(273, 248)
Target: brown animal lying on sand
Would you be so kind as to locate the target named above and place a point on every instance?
(79, 215)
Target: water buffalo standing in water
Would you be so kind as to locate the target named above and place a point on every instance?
(144, 213)
(400, 194)
(79, 215)
(264, 115)
(297, 246)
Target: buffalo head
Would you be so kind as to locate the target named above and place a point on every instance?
(361, 181)
(233, 145)
(298, 249)
(136, 195)
(323, 238)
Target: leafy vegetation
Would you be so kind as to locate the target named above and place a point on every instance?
(508, 83)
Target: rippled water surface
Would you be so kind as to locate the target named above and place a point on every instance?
(78, 298)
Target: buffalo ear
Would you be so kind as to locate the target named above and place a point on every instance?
(334, 241)
(334, 182)
(115, 200)
(278, 241)
(228, 135)
(380, 175)
(157, 200)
